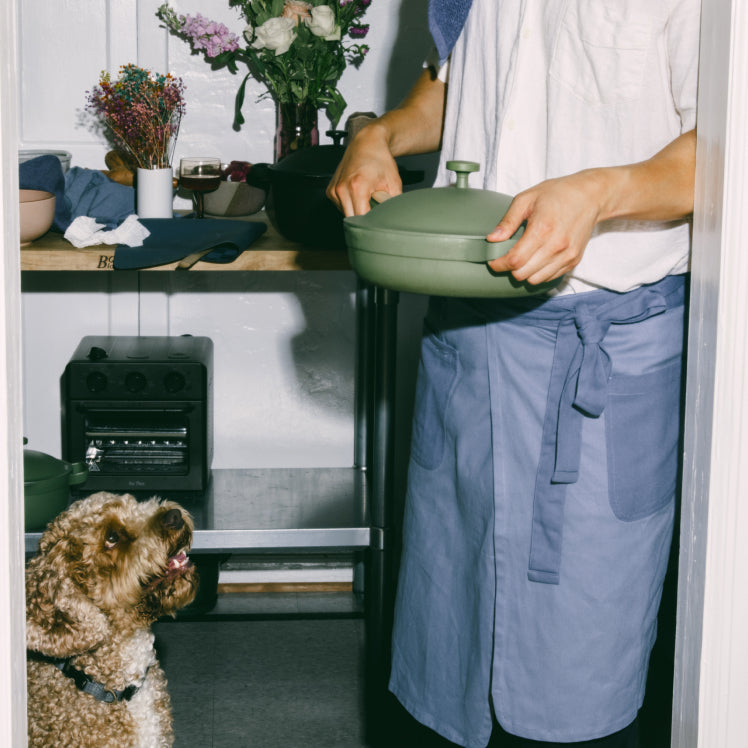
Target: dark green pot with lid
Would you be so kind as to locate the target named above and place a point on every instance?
(46, 486)
(433, 241)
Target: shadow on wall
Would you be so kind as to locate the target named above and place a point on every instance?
(412, 44)
(410, 49)
(313, 349)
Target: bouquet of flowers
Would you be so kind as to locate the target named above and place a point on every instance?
(295, 48)
(140, 114)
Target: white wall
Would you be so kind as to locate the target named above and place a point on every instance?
(283, 341)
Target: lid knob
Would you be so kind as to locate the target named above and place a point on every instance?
(462, 169)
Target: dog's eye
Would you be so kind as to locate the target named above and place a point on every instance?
(112, 538)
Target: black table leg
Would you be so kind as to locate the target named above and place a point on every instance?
(380, 587)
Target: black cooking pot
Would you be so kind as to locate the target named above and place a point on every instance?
(296, 203)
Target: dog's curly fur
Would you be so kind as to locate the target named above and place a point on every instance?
(107, 568)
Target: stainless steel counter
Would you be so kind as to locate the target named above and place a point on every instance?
(280, 509)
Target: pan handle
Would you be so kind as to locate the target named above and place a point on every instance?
(259, 176)
(78, 473)
(494, 250)
(380, 196)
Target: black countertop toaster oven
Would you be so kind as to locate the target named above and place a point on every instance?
(138, 411)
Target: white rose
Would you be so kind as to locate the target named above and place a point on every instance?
(322, 23)
(276, 34)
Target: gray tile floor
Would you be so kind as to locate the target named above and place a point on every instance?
(278, 678)
(287, 670)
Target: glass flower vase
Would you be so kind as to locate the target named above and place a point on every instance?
(296, 127)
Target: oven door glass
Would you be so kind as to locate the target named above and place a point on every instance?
(137, 442)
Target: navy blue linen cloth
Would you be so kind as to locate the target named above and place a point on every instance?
(88, 192)
(80, 192)
(92, 193)
(173, 239)
(446, 19)
(45, 173)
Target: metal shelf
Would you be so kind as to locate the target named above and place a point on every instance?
(278, 509)
(301, 509)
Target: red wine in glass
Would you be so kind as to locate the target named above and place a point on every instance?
(200, 174)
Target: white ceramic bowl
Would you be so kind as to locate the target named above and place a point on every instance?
(64, 157)
(37, 211)
(234, 199)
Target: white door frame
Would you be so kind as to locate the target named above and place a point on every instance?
(12, 608)
(711, 688)
(711, 681)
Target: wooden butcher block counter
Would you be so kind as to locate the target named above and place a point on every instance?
(271, 252)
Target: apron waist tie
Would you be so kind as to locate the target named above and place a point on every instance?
(578, 389)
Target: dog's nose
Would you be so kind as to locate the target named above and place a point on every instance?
(172, 519)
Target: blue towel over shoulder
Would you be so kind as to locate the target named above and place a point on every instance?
(446, 19)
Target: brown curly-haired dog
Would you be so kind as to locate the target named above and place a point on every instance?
(107, 568)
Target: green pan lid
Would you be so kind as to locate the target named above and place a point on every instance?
(41, 469)
(448, 223)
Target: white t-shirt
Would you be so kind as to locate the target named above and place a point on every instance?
(540, 89)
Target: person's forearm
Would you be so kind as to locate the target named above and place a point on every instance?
(368, 164)
(659, 189)
(561, 214)
(415, 126)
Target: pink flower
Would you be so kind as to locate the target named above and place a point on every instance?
(297, 10)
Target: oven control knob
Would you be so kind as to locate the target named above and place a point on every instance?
(174, 382)
(135, 381)
(96, 381)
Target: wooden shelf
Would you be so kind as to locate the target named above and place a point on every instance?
(271, 252)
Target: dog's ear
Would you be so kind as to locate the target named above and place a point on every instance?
(60, 619)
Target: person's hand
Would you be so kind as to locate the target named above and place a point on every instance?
(561, 215)
(366, 167)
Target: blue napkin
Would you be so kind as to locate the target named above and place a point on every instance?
(173, 239)
(92, 193)
(446, 19)
(45, 173)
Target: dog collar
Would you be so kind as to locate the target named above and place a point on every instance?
(84, 682)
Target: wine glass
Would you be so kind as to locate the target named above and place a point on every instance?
(200, 174)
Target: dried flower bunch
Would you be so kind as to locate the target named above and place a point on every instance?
(140, 113)
(295, 48)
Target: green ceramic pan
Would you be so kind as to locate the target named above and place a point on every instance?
(433, 241)
(47, 482)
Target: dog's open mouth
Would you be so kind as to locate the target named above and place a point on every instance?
(178, 563)
(176, 566)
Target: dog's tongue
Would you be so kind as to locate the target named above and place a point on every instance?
(178, 561)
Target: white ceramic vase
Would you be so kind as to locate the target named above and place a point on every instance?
(154, 193)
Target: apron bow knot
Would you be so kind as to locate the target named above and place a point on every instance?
(578, 389)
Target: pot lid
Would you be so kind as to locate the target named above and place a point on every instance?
(38, 466)
(319, 161)
(445, 222)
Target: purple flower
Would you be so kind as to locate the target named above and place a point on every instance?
(359, 30)
(208, 35)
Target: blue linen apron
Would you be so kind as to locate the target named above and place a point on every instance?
(539, 513)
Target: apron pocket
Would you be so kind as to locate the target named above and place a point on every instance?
(437, 376)
(642, 422)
